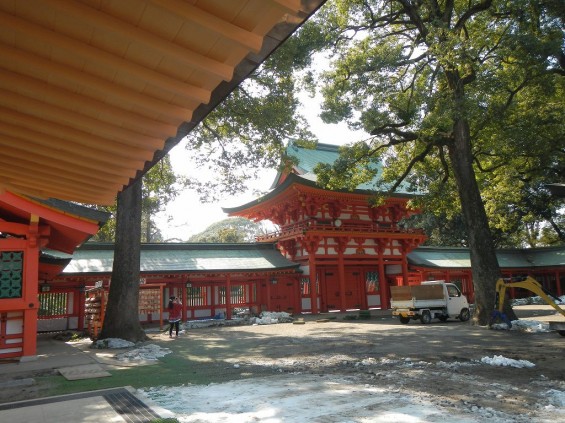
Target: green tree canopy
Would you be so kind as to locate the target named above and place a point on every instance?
(234, 229)
(160, 186)
(463, 100)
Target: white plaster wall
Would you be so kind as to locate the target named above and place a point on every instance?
(393, 269)
(374, 300)
(206, 312)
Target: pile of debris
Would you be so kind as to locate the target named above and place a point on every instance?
(242, 318)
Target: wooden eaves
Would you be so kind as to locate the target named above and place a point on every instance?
(93, 93)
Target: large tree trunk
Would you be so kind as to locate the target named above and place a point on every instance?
(484, 264)
(122, 316)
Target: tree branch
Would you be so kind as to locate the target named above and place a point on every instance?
(480, 7)
(419, 158)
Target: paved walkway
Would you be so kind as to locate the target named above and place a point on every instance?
(109, 405)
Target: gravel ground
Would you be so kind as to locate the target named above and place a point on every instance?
(450, 366)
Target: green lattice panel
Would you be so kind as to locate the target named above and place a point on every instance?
(11, 271)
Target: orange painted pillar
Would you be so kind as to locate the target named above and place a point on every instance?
(184, 297)
(268, 282)
(29, 293)
(341, 275)
(383, 285)
(228, 297)
(313, 287)
(404, 267)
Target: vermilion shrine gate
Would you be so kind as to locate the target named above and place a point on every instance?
(348, 250)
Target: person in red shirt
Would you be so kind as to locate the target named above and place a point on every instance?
(175, 315)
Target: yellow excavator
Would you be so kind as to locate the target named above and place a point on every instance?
(531, 285)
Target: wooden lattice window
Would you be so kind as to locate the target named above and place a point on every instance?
(238, 294)
(11, 274)
(53, 304)
(196, 296)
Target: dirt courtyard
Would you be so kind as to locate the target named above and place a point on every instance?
(449, 366)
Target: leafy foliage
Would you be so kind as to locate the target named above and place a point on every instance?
(237, 229)
(249, 131)
(463, 100)
(160, 186)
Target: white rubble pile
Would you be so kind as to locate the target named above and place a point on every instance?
(265, 318)
(149, 352)
(499, 360)
(271, 318)
(531, 326)
(112, 343)
(533, 300)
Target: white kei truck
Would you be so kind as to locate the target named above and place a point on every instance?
(431, 299)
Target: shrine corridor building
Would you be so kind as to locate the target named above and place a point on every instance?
(332, 251)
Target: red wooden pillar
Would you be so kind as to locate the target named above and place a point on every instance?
(383, 284)
(184, 298)
(161, 309)
(228, 297)
(30, 286)
(78, 307)
(341, 246)
(268, 282)
(557, 284)
(404, 265)
(297, 294)
(313, 287)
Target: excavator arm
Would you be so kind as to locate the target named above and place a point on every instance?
(531, 285)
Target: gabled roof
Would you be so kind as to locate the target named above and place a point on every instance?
(309, 158)
(459, 258)
(97, 258)
(300, 180)
(93, 93)
(69, 224)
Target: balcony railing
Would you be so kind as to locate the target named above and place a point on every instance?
(346, 227)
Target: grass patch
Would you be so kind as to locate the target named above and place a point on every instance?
(174, 369)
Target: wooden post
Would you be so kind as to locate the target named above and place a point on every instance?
(313, 288)
(228, 297)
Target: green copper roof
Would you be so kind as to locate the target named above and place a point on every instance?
(439, 257)
(95, 258)
(308, 158)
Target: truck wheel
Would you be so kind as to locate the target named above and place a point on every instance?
(426, 317)
(464, 315)
(404, 320)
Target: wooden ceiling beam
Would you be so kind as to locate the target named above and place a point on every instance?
(64, 117)
(35, 140)
(293, 6)
(38, 161)
(44, 180)
(51, 191)
(202, 18)
(107, 23)
(90, 53)
(123, 153)
(17, 59)
(57, 153)
(59, 96)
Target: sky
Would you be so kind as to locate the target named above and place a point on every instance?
(187, 216)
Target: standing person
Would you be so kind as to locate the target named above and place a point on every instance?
(175, 314)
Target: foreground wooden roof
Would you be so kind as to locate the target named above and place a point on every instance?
(93, 93)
